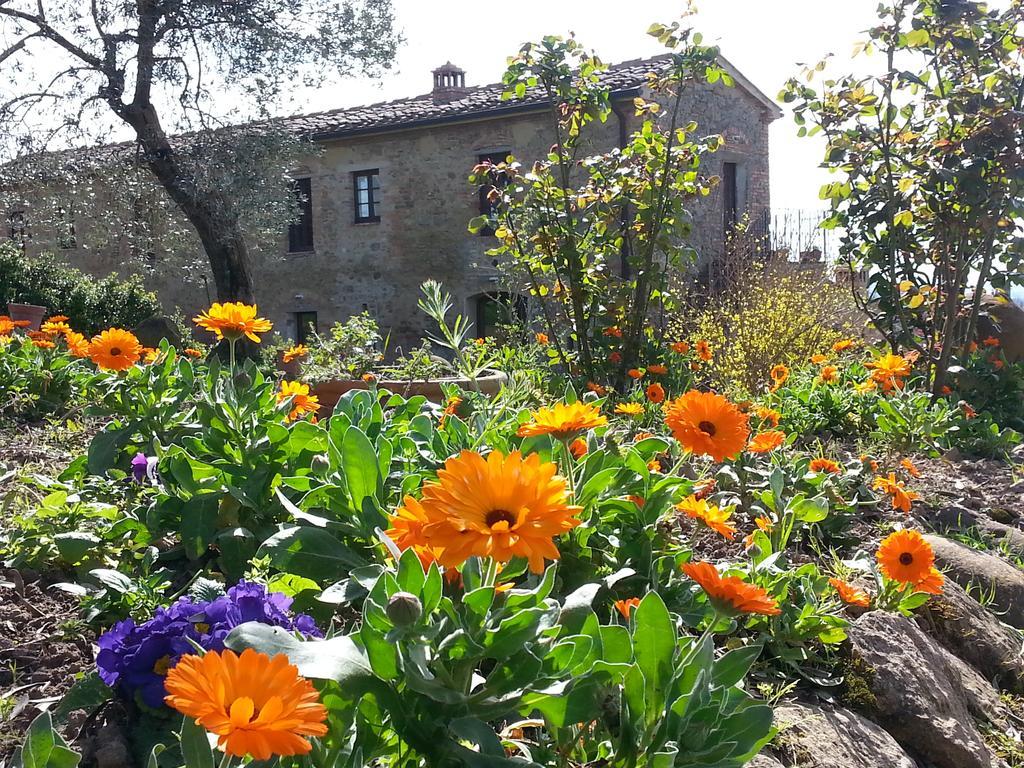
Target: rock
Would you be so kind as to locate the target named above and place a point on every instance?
(919, 694)
(823, 736)
(958, 517)
(1005, 321)
(994, 575)
(970, 632)
(155, 329)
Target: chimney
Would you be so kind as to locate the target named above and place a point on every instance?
(449, 83)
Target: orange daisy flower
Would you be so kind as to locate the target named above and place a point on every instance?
(564, 421)
(766, 442)
(629, 409)
(707, 423)
(301, 401)
(597, 389)
(905, 556)
(843, 344)
(704, 488)
(498, 506)
(819, 359)
(78, 345)
(932, 583)
(450, 409)
(680, 347)
(6, 325)
(730, 594)
(642, 436)
(827, 466)
(911, 468)
(57, 319)
(542, 339)
(657, 369)
(295, 352)
(638, 500)
(655, 393)
(865, 386)
(626, 607)
(713, 516)
(850, 594)
(55, 327)
(115, 349)
(256, 705)
(829, 374)
(192, 352)
(704, 351)
(901, 497)
(635, 373)
(578, 448)
(889, 371)
(615, 358)
(778, 374)
(654, 465)
(43, 343)
(613, 331)
(946, 390)
(769, 415)
(969, 413)
(991, 341)
(232, 321)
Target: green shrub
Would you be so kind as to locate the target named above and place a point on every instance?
(91, 304)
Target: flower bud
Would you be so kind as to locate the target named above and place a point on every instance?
(404, 609)
(320, 464)
(242, 380)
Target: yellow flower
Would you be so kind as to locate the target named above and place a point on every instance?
(564, 421)
(301, 401)
(295, 352)
(233, 320)
(713, 516)
(629, 409)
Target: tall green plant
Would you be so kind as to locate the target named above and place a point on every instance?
(596, 237)
(929, 154)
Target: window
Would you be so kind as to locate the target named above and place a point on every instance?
(305, 327)
(18, 229)
(488, 206)
(367, 188)
(497, 310)
(65, 225)
(730, 196)
(300, 232)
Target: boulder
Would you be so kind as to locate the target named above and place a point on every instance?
(956, 517)
(151, 331)
(1005, 321)
(970, 632)
(992, 574)
(824, 736)
(918, 692)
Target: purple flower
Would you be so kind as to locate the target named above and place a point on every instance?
(135, 658)
(139, 465)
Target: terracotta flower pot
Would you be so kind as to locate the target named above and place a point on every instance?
(330, 392)
(31, 312)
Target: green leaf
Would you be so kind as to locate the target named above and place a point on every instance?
(731, 668)
(44, 748)
(74, 546)
(338, 658)
(88, 692)
(382, 654)
(199, 523)
(105, 447)
(309, 552)
(359, 461)
(195, 746)
(654, 645)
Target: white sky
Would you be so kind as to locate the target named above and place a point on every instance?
(764, 38)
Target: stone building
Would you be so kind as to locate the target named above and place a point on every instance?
(386, 202)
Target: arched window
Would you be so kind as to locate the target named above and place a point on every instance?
(495, 310)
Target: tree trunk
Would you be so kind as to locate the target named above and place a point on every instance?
(211, 213)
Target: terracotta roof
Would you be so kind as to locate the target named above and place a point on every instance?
(623, 79)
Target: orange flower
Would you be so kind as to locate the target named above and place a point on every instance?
(969, 413)
(193, 352)
(295, 352)
(450, 408)
(78, 345)
(843, 344)
(642, 436)
(946, 390)
(889, 371)
(498, 506)
(972, 346)
(563, 420)
(654, 465)
(301, 401)
(763, 523)
(766, 442)
(680, 347)
(115, 349)
(6, 325)
(850, 594)
(613, 331)
(713, 516)
(707, 423)
(626, 607)
(233, 320)
(901, 497)
(655, 393)
(43, 343)
(819, 359)
(704, 488)
(997, 363)
(824, 465)
(932, 583)
(615, 357)
(542, 339)
(865, 386)
(55, 327)
(991, 341)
(635, 373)
(906, 557)
(657, 369)
(578, 448)
(778, 374)
(150, 355)
(629, 409)
(638, 500)
(730, 594)
(57, 319)
(597, 389)
(865, 459)
(256, 705)
(829, 374)
(911, 468)
(704, 351)
(769, 415)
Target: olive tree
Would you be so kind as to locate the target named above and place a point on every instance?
(176, 73)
